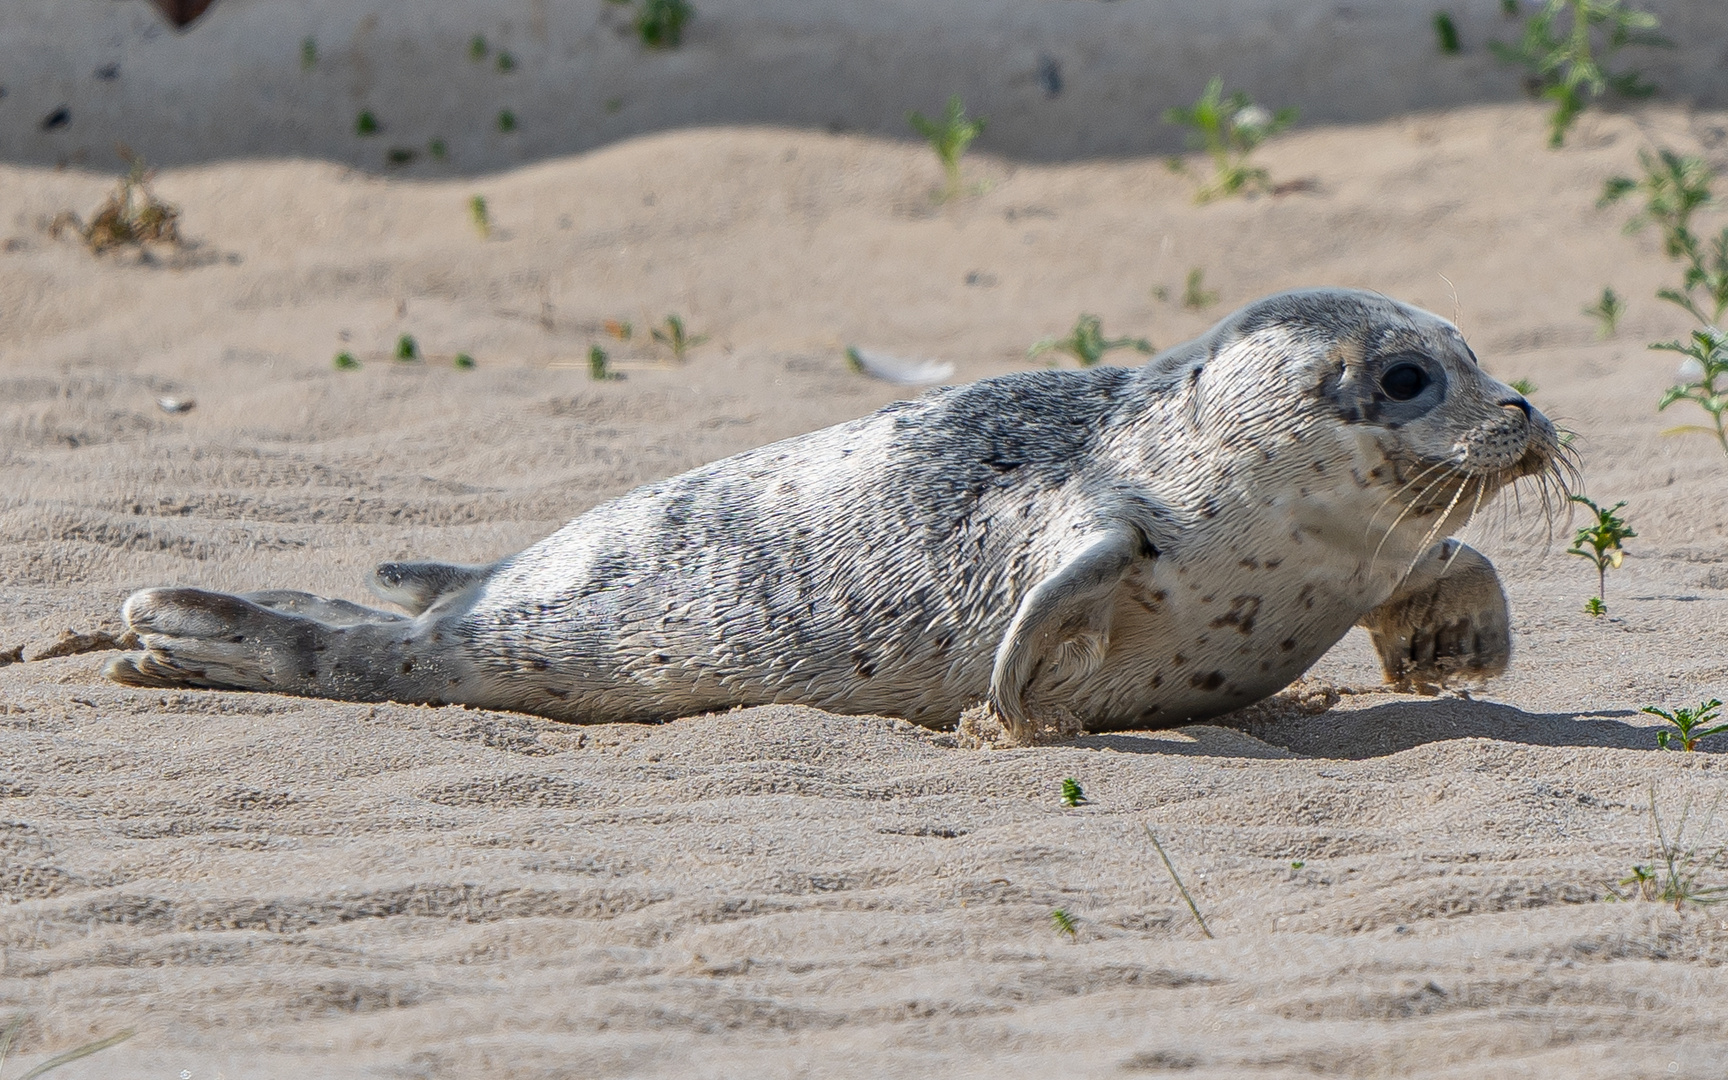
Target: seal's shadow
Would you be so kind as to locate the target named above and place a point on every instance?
(1380, 730)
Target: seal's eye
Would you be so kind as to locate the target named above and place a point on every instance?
(1404, 381)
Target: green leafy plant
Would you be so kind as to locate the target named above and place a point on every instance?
(1673, 876)
(1177, 878)
(949, 137)
(407, 348)
(1706, 362)
(1601, 544)
(506, 121)
(1195, 295)
(673, 335)
(464, 362)
(1675, 187)
(9, 1037)
(1447, 31)
(345, 362)
(399, 156)
(1606, 312)
(477, 48)
(1524, 387)
(1072, 795)
(437, 149)
(1297, 865)
(1688, 724)
(480, 216)
(1087, 343)
(1229, 129)
(308, 55)
(506, 62)
(659, 23)
(599, 365)
(132, 215)
(366, 124)
(1064, 922)
(1566, 62)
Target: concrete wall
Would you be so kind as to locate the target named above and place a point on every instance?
(1057, 78)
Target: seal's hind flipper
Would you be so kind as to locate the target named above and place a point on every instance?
(1063, 623)
(416, 586)
(1447, 623)
(327, 611)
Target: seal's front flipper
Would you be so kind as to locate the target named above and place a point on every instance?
(416, 586)
(1062, 624)
(327, 611)
(1447, 623)
(216, 641)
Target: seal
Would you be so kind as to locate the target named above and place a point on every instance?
(1121, 547)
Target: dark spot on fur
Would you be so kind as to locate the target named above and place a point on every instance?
(863, 664)
(659, 658)
(1209, 509)
(1273, 564)
(1157, 681)
(1212, 680)
(1265, 665)
(407, 666)
(1287, 644)
(1249, 564)
(1306, 596)
(1178, 659)
(1242, 613)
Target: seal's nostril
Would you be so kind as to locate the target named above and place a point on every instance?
(1517, 403)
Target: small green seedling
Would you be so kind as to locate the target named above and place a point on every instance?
(9, 1037)
(1688, 724)
(506, 121)
(949, 137)
(407, 348)
(1524, 387)
(345, 362)
(464, 362)
(1087, 343)
(308, 55)
(1297, 865)
(673, 336)
(1447, 31)
(659, 23)
(1228, 129)
(1071, 793)
(365, 124)
(399, 156)
(477, 48)
(1603, 540)
(1567, 66)
(1706, 369)
(599, 365)
(619, 328)
(1195, 295)
(1065, 923)
(1673, 876)
(506, 62)
(438, 149)
(1676, 186)
(478, 214)
(1607, 312)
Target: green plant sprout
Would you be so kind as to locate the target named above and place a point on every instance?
(1675, 187)
(1603, 539)
(9, 1037)
(132, 214)
(1688, 724)
(1567, 67)
(1673, 876)
(619, 328)
(1228, 129)
(674, 337)
(1177, 878)
(464, 362)
(477, 48)
(407, 348)
(478, 214)
(599, 365)
(438, 149)
(1072, 795)
(1065, 923)
(1524, 387)
(949, 137)
(345, 362)
(1606, 312)
(506, 62)
(365, 124)
(1297, 865)
(1087, 343)
(659, 23)
(1195, 295)
(308, 55)
(1706, 362)
(506, 121)
(399, 156)
(1447, 31)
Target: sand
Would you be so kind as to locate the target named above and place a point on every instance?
(273, 887)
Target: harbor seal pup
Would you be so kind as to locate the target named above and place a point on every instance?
(1128, 547)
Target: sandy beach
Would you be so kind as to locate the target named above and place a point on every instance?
(266, 886)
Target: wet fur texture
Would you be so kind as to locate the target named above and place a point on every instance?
(1130, 547)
